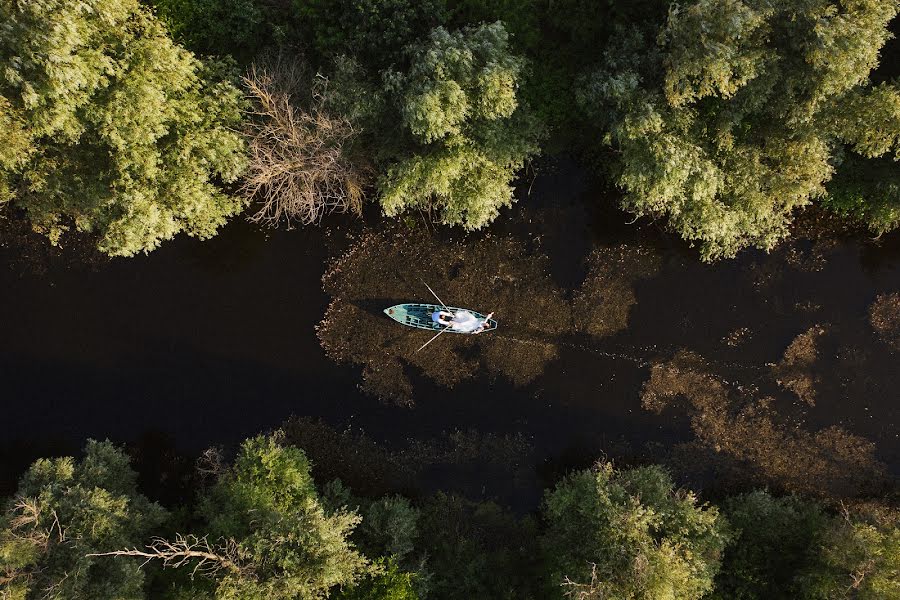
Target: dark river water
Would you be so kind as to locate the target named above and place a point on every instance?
(210, 342)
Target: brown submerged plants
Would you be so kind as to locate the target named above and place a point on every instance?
(391, 267)
(795, 371)
(829, 463)
(884, 315)
(607, 295)
(499, 274)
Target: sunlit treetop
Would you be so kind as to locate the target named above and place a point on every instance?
(727, 117)
(129, 130)
(469, 132)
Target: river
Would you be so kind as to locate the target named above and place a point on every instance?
(209, 342)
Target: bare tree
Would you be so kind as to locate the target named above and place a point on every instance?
(185, 550)
(299, 166)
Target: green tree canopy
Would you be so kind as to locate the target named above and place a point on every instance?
(374, 32)
(774, 541)
(467, 131)
(129, 131)
(15, 146)
(858, 557)
(388, 582)
(727, 117)
(477, 550)
(223, 27)
(65, 510)
(630, 534)
(866, 191)
(283, 542)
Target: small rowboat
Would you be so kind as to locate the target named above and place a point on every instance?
(419, 316)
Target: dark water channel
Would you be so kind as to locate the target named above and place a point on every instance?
(209, 342)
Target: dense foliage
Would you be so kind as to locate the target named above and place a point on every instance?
(261, 528)
(728, 116)
(725, 117)
(631, 534)
(127, 131)
(459, 103)
(275, 538)
(64, 512)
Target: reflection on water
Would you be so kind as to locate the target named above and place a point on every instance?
(489, 273)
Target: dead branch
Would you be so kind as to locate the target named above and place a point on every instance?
(299, 169)
(211, 464)
(584, 591)
(185, 550)
(25, 524)
(27, 511)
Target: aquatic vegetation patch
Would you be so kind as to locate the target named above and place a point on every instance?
(479, 461)
(829, 462)
(605, 299)
(884, 315)
(488, 273)
(795, 372)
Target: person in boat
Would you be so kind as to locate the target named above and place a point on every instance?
(465, 322)
(442, 317)
(485, 323)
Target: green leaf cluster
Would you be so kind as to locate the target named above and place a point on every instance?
(867, 192)
(774, 541)
(129, 132)
(631, 534)
(858, 557)
(727, 118)
(268, 505)
(63, 512)
(374, 32)
(625, 534)
(221, 27)
(468, 132)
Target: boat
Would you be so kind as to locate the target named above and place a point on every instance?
(419, 316)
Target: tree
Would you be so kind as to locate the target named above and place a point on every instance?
(223, 27)
(64, 512)
(390, 528)
(129, 130)
(477, 550)
(468, 133)
(300, 168)
(774, 540)
(727, 117)
(373, 32)
(15, 146)
(266, 535)
(866, 191)
(630, 534)
(389, 582)
(858, 558)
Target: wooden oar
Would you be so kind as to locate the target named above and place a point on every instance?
(434, 338)
(447, 308)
